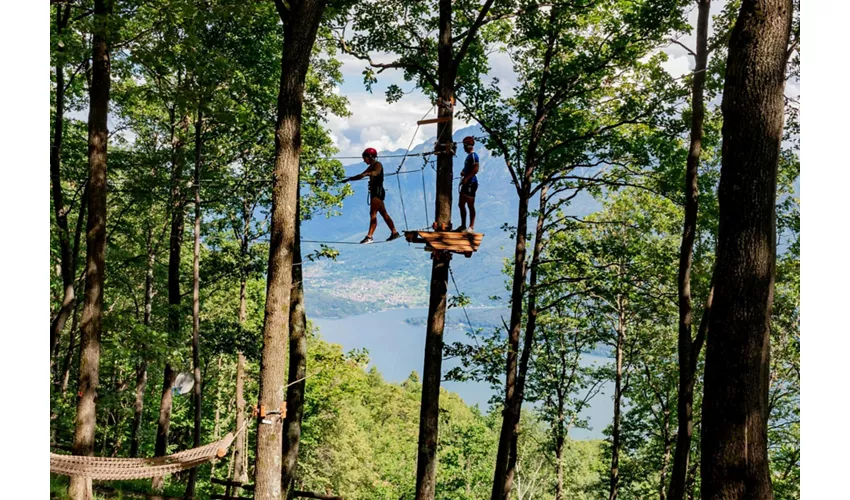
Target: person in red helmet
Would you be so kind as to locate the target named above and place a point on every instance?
(375, 173)
(468, 185)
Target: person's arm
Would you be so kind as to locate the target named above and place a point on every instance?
(369, 172)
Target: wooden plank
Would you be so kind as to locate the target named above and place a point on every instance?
(429, 121)
(453, 236)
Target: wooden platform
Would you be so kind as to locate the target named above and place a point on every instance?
(446, 241)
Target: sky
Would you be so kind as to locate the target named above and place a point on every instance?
(387, 127)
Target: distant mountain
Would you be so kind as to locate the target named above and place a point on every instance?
(382, 275)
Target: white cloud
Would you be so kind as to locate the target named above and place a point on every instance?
(678, 66)
(379, 124)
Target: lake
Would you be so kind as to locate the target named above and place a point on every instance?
(396, 348)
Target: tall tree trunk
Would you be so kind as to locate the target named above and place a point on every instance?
(301, 23)
(426, 458)
(196, 303)
(665, 461)
(297, 366)
(142, 367)
(614, 478)
(174, 314)
(239, 471)
(737, 366)
(69, 354)
(92, 319)
(514, 381)
(217, 425)
(689, 349)
(528, 341)
(60, 211)
(164, 421)
(510, 417)
(60, 378)
(559, 466)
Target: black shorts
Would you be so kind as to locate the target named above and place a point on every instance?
(469, 189)
(377, 193)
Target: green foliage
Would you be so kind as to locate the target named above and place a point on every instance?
(602, 117)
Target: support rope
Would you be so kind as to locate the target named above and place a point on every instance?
(400, 165)
(468, 322)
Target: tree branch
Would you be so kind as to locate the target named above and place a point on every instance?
(470, 35)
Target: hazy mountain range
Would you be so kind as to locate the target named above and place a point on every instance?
(383, 275)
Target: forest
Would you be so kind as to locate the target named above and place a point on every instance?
(191, 139)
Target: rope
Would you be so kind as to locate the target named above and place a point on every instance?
(398, 170)
(339, 242)
(424, 192)
(468, 322)
(115, 469)
(401, 197)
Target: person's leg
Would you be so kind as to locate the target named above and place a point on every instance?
(383, 210)
(373, 217)
(461, 204)
(471, 203)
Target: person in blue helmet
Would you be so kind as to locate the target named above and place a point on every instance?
(468, 185)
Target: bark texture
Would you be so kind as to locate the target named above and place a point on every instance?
(301, 23)
(614, 477)
(196, 303)
(295, 392)
(175, 242)
(92, 318)
(142, 367)
(690, 348)
(240, 473)
(63, 13)
(506, 452)
(426, 457)
(735, 404)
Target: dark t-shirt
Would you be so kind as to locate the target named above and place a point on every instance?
(376, 182)
(469, 165)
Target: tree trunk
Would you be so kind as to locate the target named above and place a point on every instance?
(689, 349)
(514, 382)
(297, 366)
(301, 23)
(92, 319)
(69, 354)
(559, 465)
(665, 461)
(528, 342)
(614, 481)
(426, 458)
(196, 304)
(510, 418)
(60, 211)
(174, 313)
(737, 366)
(142, 367)
(164, 421)
(239, 472)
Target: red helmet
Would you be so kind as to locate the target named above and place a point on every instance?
(370, 152)
(469, 140)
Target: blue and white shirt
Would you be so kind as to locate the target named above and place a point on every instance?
(468, 165)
